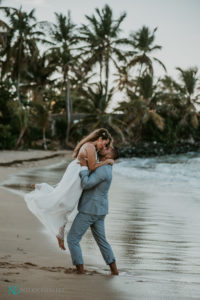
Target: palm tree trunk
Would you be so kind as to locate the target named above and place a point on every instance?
(18, 88)
(107, 61)
(64, 81)
(101, 69)
(106, 75)
(68, 111)
(20, 138)
(117, 129)
(44, 138)
(19, 60)
(138, 77)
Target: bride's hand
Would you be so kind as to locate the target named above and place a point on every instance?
(109, 161)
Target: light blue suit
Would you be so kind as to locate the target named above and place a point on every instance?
(92, 207)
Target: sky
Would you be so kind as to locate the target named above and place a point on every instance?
(178, 24)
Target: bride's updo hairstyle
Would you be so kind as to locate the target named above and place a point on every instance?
(93, 136)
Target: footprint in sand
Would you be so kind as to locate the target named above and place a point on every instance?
(6, 256)
(30, 264)
(11, 273)
(20, 249)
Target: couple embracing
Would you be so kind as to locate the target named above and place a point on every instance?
(81, 196)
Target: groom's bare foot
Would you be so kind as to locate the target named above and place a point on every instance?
(113, 269)
(60, 243)
(80, 269)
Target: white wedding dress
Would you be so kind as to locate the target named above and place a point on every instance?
(56, 206)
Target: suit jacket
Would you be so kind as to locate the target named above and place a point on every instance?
(94, 199)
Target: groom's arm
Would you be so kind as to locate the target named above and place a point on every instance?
(90, 181)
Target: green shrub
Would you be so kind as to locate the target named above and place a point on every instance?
(7, 140)
(60, 128)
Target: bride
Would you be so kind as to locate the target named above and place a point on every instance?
(55, 206)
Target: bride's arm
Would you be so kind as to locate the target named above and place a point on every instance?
(91, 156)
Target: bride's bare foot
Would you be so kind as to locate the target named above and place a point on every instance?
(32, 185)
(60, 243)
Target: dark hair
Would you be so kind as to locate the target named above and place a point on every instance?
(93, 136)
(115, 153)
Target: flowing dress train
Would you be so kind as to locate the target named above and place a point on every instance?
(55, 206)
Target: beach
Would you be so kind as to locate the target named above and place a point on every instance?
(28, 258)
(155, 242)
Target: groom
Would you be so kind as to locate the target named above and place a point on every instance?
(93, 207)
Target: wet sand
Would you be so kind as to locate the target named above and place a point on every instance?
(155, 242)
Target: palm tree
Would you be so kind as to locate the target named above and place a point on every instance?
(142, 42)
(38, 76)
(178, 104)
(21, 48)
(189, 80)
(179, 99)
(101, 40)
(64, 38)
(4, 32)
(187, 89)
(170, 98)
(22, 42)
(141, 107)
(94, 103)
(122, 76)
(23, 117)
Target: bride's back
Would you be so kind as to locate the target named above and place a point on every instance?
(85, 150)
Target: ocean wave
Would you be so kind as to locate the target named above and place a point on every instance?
(182, 168)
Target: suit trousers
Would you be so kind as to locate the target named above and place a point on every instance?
(79, 226)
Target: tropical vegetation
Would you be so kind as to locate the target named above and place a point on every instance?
(58, 82)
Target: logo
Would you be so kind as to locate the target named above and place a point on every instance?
(15, 290)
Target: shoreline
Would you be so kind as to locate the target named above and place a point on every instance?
(156, 149)
(6, 158)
